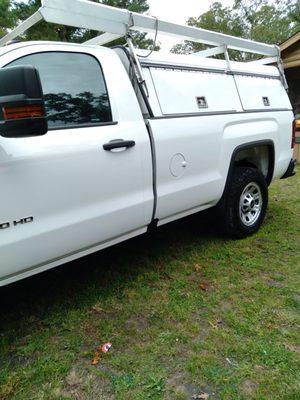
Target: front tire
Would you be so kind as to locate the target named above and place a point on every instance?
(244, 203)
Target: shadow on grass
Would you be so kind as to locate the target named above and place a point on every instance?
(45, 298)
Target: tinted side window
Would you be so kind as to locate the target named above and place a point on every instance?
(74, 88)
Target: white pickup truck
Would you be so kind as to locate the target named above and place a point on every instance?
(91, 155)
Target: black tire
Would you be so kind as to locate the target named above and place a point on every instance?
(232, 209)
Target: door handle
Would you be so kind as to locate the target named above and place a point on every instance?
(118, 144)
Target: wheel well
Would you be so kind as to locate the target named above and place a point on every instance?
(258, 156)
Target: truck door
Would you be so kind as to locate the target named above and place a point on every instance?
(75, 188)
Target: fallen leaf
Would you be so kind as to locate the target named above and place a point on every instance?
(215, 324)
(292, 347)
(231, 362)
(97, 308)
(96, 358)
(198, 267)
(201, 396)
(203, 286)
(204, 396)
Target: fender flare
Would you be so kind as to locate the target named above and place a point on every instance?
(249, 145)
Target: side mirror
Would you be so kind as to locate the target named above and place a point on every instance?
(22, 108)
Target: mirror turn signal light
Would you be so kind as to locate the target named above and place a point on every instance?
(29, 111)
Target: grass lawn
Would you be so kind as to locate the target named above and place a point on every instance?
(190, 315)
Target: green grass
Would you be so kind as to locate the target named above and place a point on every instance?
(171, 339)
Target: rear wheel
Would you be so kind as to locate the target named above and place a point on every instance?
(244, 204)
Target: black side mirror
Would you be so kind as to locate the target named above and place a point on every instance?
(22, 108)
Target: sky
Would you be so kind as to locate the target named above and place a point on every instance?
(178, 12)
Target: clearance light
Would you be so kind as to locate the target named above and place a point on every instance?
(30, 111)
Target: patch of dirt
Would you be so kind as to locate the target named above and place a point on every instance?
(297, 297)
(179, 385)
(80, 384)
(270, 281)
(225, 305)
(273, 282)
(136, 323)
(7, 388)
(204, 331)
(96, 310)
(248, 388)
(73, 379)
(104, 368)
(16, 360)
(73, 394)
(263, 244)
(262, 240)
(292, 347)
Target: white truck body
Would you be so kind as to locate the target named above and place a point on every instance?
(63, 196)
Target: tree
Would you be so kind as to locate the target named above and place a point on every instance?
(260, 20)
(268, 21)
(21, 10)
(6, 17)
(217, 18)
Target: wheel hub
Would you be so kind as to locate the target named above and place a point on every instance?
(250, 204)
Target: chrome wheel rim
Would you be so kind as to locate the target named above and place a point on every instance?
(250, 204)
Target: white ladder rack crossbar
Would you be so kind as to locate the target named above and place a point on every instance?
(116, 22)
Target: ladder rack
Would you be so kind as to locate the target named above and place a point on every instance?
(116, 22)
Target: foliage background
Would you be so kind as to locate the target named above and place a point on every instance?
(261, 20)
